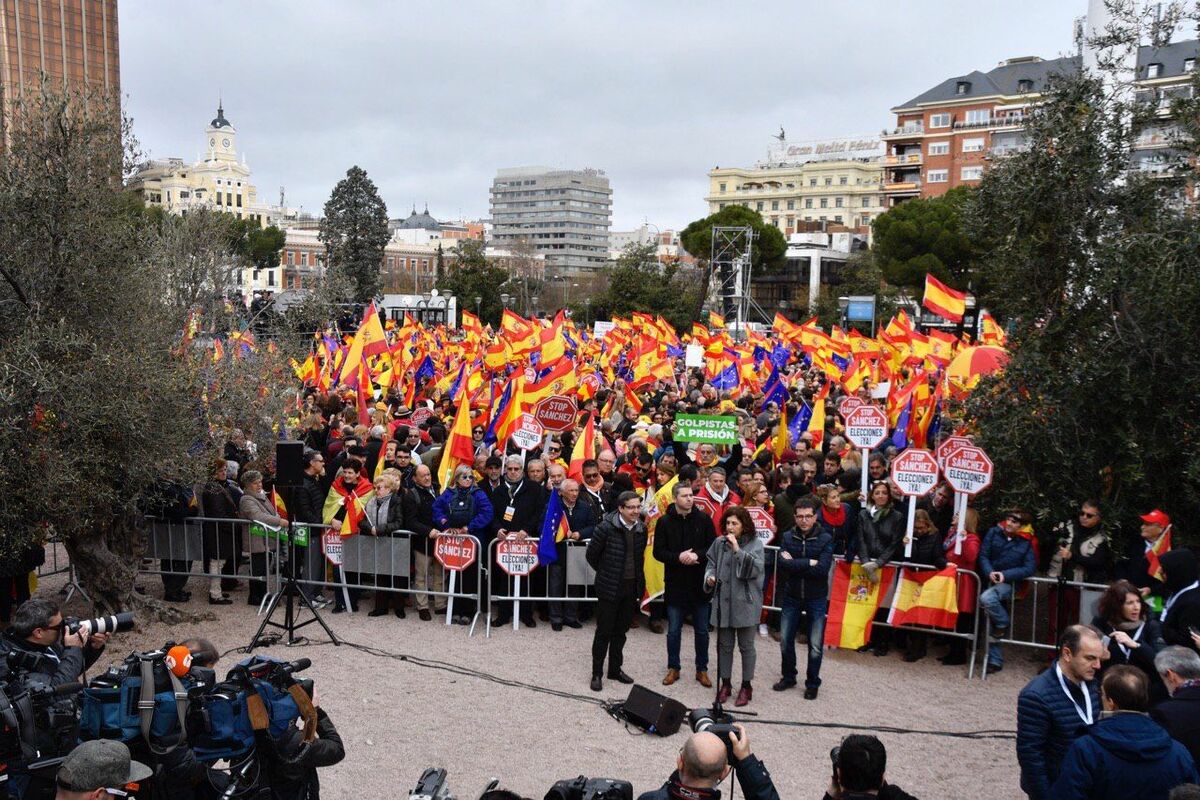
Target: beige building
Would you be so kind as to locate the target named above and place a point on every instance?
(801, 185)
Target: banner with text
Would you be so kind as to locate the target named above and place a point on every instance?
(710, 430)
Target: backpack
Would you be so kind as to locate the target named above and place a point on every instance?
(142, 698)
(462, 508)
(224, 722)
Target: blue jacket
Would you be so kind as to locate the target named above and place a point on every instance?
(1047, 724)
(1013, 557)
(479, 521)
(1125, 755)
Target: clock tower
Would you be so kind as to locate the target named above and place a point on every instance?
(220, 139)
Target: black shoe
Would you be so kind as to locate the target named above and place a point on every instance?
(229, 585)
(882, 650)
(783, 685)
(529, 623)
(339, 609)
(556, 626)
(424, 615)
(500, 622)
(399, 612)
(993, 668)
(910, 658)
(174, 598)
(573, 624)
(544, 616)
(953, 659)
(810, 693)
(219, 601)
(597, 684)
(377, 612)
(620, 677)
(864, 648)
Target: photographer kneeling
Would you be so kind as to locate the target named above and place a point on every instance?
(37, 629)
(703, 764)
(290, 764)
(858, 771)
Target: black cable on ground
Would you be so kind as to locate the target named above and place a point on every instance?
(613, 707)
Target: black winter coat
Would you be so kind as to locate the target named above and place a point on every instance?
(606, 555)
(1181, 717)
(309, 500)
(418, 515)
(291, 765)
(797, 578)
(674, 534)
(529, 504)
(926, 550)
(881, 541)
(220, 540)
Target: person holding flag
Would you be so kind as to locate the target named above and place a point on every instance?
(344, 505)
(566, 520)
(1144, 567)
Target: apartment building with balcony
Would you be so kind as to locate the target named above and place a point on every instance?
(950, 134)
(828, 185)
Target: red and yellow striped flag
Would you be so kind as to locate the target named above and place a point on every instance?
(926, 597)
(944, 301)
(853, 601)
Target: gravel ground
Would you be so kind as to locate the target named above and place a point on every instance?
(397, 717)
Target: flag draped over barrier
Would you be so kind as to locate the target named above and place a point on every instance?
(853, 601)
(926, 597)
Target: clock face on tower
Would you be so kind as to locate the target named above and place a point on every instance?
(212, 142)
(225, 143)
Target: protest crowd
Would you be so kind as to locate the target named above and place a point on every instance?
(712, 484)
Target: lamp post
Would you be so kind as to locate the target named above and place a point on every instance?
(534, 300)
(587, 312)
(504, 298)
(478, 300)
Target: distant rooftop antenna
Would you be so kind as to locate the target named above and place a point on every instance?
(281, 203)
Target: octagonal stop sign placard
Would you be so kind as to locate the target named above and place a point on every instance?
(556, 413)
(866, 426)
(848, 404)
(528, 433)
(455, 551)
(968, 469)
(915, 472)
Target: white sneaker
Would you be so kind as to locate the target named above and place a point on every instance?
(762, 629)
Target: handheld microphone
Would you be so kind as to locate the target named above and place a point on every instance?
(178, 660)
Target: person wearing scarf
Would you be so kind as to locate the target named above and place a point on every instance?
(1181, 611)
(1133, 637)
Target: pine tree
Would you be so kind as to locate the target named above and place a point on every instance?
(354, 231)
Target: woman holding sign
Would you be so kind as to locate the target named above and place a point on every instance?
(734, 575)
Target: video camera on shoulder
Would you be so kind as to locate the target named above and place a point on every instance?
(583, 788)
(39, 723)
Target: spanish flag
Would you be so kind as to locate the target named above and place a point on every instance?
(369, 340)
(584, 449)
(926, 597)
(715, 320)
(944, 301)
(459, 448)
(853, 601)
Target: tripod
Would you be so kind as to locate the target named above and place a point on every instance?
(287, 595)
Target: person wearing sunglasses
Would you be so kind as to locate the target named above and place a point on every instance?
(1082, 554)
(1005, 559)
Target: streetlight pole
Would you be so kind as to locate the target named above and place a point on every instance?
(478, 300)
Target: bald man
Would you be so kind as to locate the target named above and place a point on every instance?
(703, 764)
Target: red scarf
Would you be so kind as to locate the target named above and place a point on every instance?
(835, 518)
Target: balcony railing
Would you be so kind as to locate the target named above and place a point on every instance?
(905, 158)
(902, 186)
(1010, 120)
(906, 130)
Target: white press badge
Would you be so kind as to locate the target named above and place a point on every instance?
(509, 513)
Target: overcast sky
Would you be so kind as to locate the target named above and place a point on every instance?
(432, 98)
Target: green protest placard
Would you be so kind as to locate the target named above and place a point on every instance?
(701, 428)
(268, 532)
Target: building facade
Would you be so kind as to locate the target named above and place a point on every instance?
(949, 135)
(422, 228)
(405, 269)
(563, 214)
(835, 182)
(73, 44)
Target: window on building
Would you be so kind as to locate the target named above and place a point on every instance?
(962, 87)
(720, 206)
(843, 180)
(939, 120)
(774, 205)
(812, 181)
(291, 256)
(972, 173)
(824, 202)
(972, 145)
(304, 259)
(1154, 70)
(239, 201)
(829, 181)
(270, 277)
(838, 219)
(837, 203)
(808, 202)
(758, 206)
(1189, 64)
(722, 187)
(791, 205)
(937, 175)
(866, 202)
(1024, 85)
(979, 116)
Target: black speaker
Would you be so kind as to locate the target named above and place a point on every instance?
(289, 464)
(653, 712)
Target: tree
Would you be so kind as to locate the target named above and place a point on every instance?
(1098, 266)
(926, 236)
(471, 275)
(354, 231)
(769, 250)
(638, 282)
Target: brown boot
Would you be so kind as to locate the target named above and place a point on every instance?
(726, 690)
(672, 676)
(702, 679)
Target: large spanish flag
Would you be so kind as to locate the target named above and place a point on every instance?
(926, 597)
(369, 340)
(853, 601)
(944, 301)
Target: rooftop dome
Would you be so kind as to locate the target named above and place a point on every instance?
(420, 221)
(220, 121)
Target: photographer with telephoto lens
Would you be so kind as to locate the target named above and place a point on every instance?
(859, 764)
(62, 655)
(704, 762)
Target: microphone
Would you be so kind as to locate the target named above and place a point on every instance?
(179, 660)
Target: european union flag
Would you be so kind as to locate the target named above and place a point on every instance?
(727, 379)
(799, 423)
(425, 371)
(489, 438)
(674, 352)
(759, 354)
(780, 356)
(900, 436)
(774, 391)
(554, 530)
(840, 361)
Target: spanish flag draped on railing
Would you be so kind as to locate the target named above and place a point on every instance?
(853, 601)
(926, 597)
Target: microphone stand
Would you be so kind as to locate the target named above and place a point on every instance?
(718, 713)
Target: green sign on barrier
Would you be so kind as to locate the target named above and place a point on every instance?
(702, 428)
(268, 532)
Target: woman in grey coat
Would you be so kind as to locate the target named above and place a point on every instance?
(734, 571)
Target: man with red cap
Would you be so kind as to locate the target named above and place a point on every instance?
(1143, 566)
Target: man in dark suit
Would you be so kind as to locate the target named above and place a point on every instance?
(1179, 668)
(581, 520)
(518, 510)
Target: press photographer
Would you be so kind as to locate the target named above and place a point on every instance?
(94, 768)
(61, 655)
(704, 762)
(859, 765)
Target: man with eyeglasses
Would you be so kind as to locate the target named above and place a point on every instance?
(37, 629)
(518, 515)
(802, 569)
(596, 490)
(616, 552)
(1005, 559)
(1082, 554)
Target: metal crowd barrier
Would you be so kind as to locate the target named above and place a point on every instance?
(535, 587)
(1028, 623)
(886, 595)
(383, 563)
